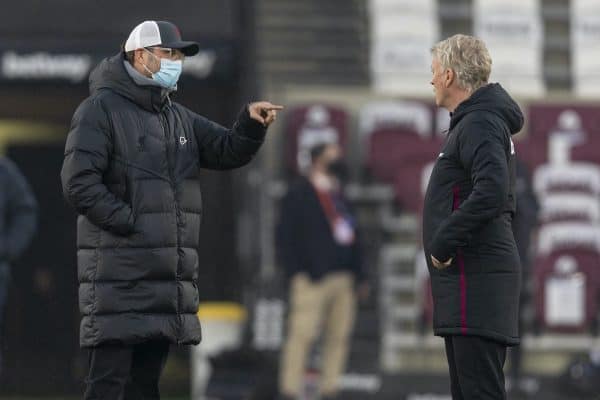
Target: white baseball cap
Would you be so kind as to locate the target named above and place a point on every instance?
(159, 33)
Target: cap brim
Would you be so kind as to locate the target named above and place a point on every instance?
(187, 48)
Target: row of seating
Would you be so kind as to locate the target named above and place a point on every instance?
(396, 140)
(565, 279)
(566, 268)
(566, 276)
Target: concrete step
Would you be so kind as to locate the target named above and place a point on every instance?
(405, 312)
(398, 283)
(392, 254)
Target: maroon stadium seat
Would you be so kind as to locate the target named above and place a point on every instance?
(566, 289)
(573, 177)
(568, 235)
(316, 120)
(406, 115)
(410, 184)
(590, 150)
(569, 206)
(567, 276)
(544, 118)
(390, 151)
(407, 187)
(532, 151)
(582, 121)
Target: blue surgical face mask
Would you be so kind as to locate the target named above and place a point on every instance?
(169, 72)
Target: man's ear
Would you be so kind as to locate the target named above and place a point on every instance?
(138, 56)
(449, 76)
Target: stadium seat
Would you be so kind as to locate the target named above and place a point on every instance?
(308, 125)
(407, 187)
(391, 150)
(577, 122)
(410, 185)
(569, 206)
(532, 151)
(410, 116)
(568, 236)
(588, 151)
(547, 118)
(571, 177)
(566, 289)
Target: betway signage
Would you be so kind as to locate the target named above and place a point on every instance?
(75, 67)
(72, 67)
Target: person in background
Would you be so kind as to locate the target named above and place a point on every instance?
(18, 222)
(469, 205)
(131, 170)
(318, 245)
(524, 222)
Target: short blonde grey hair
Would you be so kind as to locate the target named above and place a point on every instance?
(468, 57)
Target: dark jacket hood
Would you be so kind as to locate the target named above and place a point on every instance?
(495, 99)
(111, 74)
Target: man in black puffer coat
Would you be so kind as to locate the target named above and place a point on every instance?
(469, 206)
(131, 171)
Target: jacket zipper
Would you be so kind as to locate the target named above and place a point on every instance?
(178, 219)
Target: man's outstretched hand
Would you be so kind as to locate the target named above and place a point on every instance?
(264, 112)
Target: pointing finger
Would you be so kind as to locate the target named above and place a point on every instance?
(274, 107)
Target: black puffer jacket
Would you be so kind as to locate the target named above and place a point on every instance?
(131, 171)
(469, 205)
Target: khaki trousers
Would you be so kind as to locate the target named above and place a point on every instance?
(327, 305)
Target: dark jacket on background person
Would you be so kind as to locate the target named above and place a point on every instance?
(131, 168)
(526, 217)
(18, 220)
(469, 206)
(18, 212)
(304, 239)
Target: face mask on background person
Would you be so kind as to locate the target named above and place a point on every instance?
(337, 168)
(169, 72)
